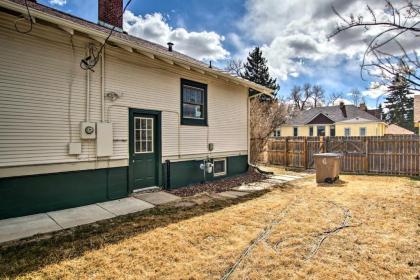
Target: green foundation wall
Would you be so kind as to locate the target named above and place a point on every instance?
(27, 195)
(184, 173)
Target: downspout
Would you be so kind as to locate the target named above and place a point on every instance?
(102, 85)
(87, 94)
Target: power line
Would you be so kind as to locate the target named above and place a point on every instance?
(89, 62)
(23, 18)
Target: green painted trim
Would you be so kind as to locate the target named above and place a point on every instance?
(159, 168)
(183, 173)
(33, 194)
(194, 122)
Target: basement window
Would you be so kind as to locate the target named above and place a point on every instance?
(193, 103)
(219, 167)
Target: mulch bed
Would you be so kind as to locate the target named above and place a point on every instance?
(219, 185)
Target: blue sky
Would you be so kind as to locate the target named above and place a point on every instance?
(292, 35)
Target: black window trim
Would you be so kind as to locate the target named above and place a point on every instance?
(192, 121)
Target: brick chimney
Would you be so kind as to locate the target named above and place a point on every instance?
(343, 109)
(110, 13)
(363, 107)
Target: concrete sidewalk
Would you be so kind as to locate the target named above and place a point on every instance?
(22, 227)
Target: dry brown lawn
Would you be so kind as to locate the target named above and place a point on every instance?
(282, 226)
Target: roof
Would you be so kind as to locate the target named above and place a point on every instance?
(128, 42)
(335, 113)
(397, 130)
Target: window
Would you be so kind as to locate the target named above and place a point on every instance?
(277, 133)
(311, 131)
(219, 167)
(363, 131)
(320, 130)
(193, 103)
(332, 130)
(347, 132)
(143, 135)
(295, 131)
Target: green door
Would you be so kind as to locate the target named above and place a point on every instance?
(144, 151)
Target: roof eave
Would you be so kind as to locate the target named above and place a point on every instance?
(96, 34)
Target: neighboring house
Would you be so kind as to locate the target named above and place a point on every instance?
(393, 129)
(417, 112)
(341, 120)
(147, 115)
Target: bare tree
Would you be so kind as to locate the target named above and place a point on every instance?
(300, 97)
(265, 117)
(394, 22)
(235, 67)
(318, 95)
(332, 99)
(356, 96)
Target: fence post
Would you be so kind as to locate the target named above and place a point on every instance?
(367, 155)
(286, 151)
(305, 152)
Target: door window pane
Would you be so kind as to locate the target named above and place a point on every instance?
(143, 135)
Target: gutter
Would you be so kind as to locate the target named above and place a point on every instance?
(127, 44)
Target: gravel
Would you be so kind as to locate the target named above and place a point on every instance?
(219, 185)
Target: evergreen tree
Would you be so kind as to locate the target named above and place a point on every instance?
(256, 70)
(399, 103)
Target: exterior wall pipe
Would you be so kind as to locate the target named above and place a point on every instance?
(87, 93)
(102, 85)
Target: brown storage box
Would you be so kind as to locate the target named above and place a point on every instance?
(327, 167)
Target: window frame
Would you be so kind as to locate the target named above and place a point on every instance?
(349, 129)
(295, 128)
(318, 127)
(194, 121)
(332, 128)
(152, 130)
(218, 174)
(360, 131)
(277, 133)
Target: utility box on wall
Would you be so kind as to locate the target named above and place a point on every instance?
(87, 130)
(104, 139)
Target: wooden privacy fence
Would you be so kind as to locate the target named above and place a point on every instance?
(393, 155)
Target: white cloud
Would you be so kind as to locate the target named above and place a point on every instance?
(339, 100)
(375, 90)
(153, 27)
(58, 2)
(297, 30)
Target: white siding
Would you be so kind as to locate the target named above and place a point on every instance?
(37, 72)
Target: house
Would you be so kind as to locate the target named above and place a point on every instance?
(340, 120)
(393, 129)
(145, 116)
(417, 112)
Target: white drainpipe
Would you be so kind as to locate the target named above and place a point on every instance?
(102, 85)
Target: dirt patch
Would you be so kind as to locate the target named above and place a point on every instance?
(219, 185)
